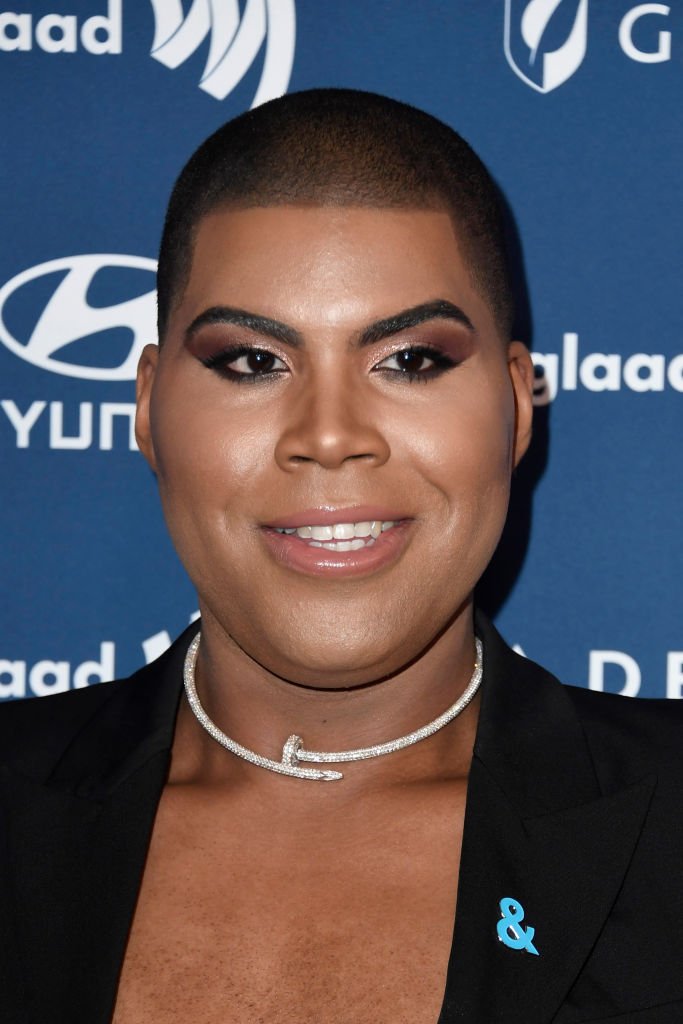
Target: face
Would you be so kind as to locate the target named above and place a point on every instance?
(333, 420)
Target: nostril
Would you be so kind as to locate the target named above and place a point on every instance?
(309, 441)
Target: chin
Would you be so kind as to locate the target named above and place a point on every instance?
(340, 661)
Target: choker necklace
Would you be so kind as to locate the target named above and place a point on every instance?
(293, 751)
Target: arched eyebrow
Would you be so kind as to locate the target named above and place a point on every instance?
(437, 309)
(252, 321)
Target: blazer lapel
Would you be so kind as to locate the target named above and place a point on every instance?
(539, 832)
(75, 844)
(82, 858)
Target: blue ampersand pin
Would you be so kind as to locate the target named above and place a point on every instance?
(510, 931)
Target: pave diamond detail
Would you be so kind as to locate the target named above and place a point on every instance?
(291, 750)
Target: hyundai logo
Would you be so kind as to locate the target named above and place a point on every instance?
(69, 316)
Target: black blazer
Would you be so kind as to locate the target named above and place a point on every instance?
(574, 810)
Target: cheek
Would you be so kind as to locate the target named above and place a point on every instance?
(465, 458)
(206, 463)
(464, 444)
(205, 448)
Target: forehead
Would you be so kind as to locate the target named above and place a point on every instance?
(335, 263)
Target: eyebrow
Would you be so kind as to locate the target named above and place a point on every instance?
(252, 321)
(437, 309)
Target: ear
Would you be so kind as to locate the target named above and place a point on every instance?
(521, 371)
(143, 392)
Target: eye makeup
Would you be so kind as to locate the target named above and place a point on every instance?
(244, 363)
(423, 358)
(410, 363)
(442, 349)
(234, 354)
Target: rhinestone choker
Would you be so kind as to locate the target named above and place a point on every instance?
(293, 751)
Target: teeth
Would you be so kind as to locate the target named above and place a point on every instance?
(341, 536)
(344, 545)
(343, 531)
(322, 532)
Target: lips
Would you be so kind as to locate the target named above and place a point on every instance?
(338, 541)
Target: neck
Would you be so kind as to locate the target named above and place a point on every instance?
(260, 710)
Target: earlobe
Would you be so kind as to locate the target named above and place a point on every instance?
(143, 392)
(521, 371)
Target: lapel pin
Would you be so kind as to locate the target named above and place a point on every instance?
(510, 931)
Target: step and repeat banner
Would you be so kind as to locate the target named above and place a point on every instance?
(575, 105)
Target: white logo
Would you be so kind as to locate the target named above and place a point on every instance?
(641, 372)
(70, 317)
(19, 679)
(528, 27)
(524, 31)
(59, 33)
(234, 44)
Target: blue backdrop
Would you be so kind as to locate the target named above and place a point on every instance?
(575, 105)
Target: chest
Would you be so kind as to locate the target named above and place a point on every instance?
(268, 920)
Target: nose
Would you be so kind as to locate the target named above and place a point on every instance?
(329, 427)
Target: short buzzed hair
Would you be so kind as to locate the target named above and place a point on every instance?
(339, 147)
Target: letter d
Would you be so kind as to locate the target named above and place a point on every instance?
(596, 671)
(109, 24)
(101, 671)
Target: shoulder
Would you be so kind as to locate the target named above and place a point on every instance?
(633, 734)
(626, 737)
(36, 733)
(639, 719)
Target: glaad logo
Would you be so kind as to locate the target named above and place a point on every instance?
(19, 678)
(641, 372)
(235, 39)
(69, 316)
(525, 27)
(235, 42)
(530, 23)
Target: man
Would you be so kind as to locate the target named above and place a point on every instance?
(333, 416)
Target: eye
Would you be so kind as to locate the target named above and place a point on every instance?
(416, 362)
(245, 363)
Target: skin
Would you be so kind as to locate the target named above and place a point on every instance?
(331, 431)
(344, 662)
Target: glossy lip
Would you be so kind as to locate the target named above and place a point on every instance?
(328, 516)
(296, 554)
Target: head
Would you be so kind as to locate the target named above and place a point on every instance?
(334, 307)
(339, 147)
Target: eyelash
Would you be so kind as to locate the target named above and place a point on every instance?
(442, 363)
(220, 363)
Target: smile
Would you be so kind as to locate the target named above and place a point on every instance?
(338, 549)
(340, 536)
